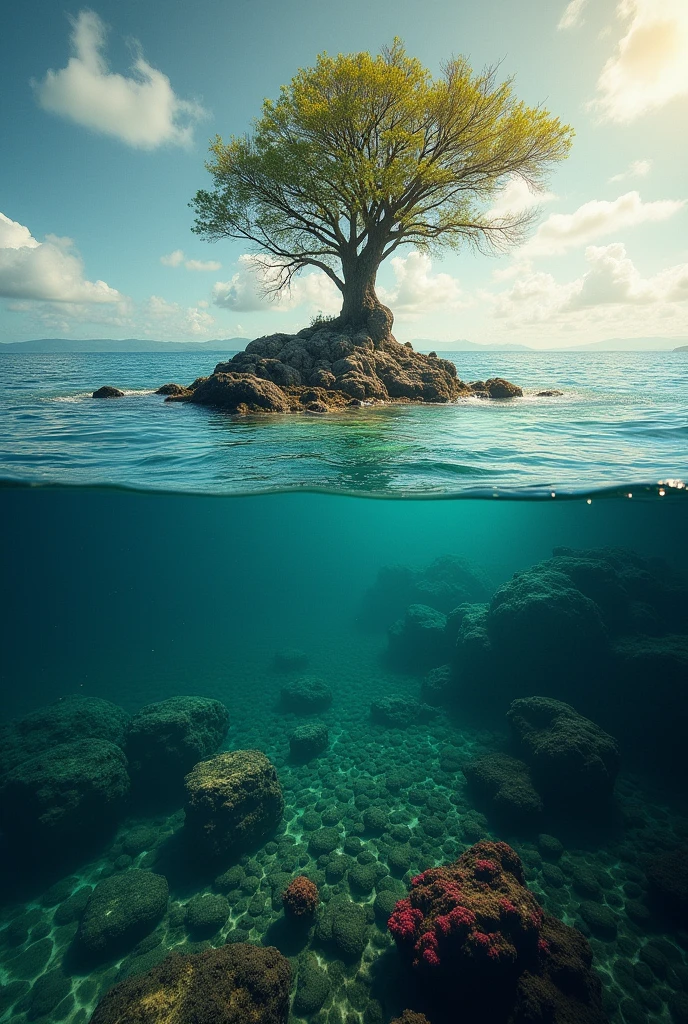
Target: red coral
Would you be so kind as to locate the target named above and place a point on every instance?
(486, 868)
(300, 899)
(404, 921)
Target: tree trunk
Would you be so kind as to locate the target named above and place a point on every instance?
(361, 308)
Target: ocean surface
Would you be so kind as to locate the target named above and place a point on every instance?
(622, 420)
(160, 610)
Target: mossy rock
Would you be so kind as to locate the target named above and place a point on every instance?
(121, 910)
(206, 913)
(312, 986)
(324, 840)
(344, 925)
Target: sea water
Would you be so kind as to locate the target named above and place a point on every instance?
(126, 589)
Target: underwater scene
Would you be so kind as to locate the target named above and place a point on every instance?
(374, 760)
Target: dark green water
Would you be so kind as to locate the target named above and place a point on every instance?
(138, 597)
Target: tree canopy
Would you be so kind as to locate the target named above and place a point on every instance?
(361, 154)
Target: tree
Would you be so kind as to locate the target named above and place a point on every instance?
(361, 154)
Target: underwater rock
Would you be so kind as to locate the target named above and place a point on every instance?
(307, 741)
(667, 874)
(411, 1017)
(206, 913)
(437, 687)
(300, 899)
(120, 911)
(574, 762)
(107, 391)
(444, 584)
(417, 641)
(234, 984)
(400, 712)
(66, 796)
(343, 925)
(312, 986)
(232, 802)
(502, 784)
(306, 696)
(495, 387)
(291, 659)
(166, 739)
(476, 919)
(71, 718)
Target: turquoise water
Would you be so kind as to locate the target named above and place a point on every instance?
(621, 420)
(126, 595)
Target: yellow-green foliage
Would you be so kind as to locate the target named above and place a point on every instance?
(362, 153)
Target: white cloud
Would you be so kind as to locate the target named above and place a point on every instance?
(417, 289)
(649, 66)
(637, 169)
(159, 316)
(612, 280)
(141, 110)
(48, 271)
(573, 15)
(563, 231)
(176, 258)
(245, 291)
(517, 198)
(173, 259)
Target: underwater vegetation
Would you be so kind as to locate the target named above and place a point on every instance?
(479, 817)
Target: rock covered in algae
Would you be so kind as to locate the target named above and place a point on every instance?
(400, 712)
(235, 984)
(73, 792)
(574, 762)
(232, 802)
(108, 391)
(306, 696)
(166, 739)
(502, 784)
(417, 640)
(66, 720)
(343, 925)
(121, 910)
(239, 393)
(307, 741)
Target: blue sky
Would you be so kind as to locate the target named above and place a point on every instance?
(106, 113)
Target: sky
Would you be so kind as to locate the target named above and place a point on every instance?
(106, 113)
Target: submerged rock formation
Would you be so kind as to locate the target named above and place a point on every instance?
(328, 367)
(234, 984)
(232, 802)
(307, 741)
(503, 786)
(475, 923)
(166, 739)
(306, 696)
(120, 911)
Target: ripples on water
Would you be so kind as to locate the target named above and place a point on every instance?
(622, 419)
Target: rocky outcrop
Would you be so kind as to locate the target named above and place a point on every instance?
(234, 984)
(574, 762)
(307, 741)
(400, 712)
(326, 367)
(232, 802)
(502, 786)
(120, 911)
(107, 391)
(305, 696)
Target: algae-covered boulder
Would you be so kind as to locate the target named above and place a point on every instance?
(108, 391)
(312, 986)
(240, 393)
(71, 718)
(343, 925)
(417, 641)
(400, 712)
(166, 739)
(306, 696)
(437, 687)
(121, 910)
(502, 785)
(232, 802)
(206, 913)
(574, 763)
(446, 582)
(235, 984)
(69, 795)
(307, 741)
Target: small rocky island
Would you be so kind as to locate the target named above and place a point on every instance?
(328, 367)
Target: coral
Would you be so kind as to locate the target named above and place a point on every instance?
(504, 785)
(121, 910)
(230, 985)
(574, 763)
(300, 899)
(166, 739)
(400, 712)
(324, 840)
(307, 741)
(475, 915)
(233, 801)
(306, 696)
(343, 925)
(71, 718)
(64, 797)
